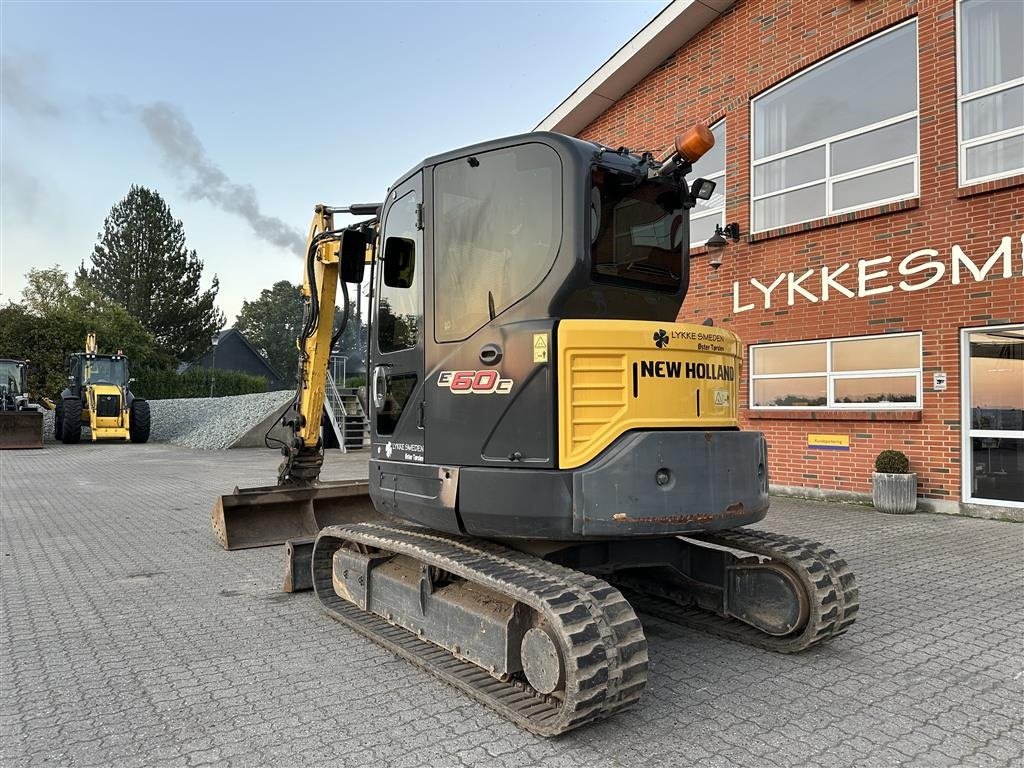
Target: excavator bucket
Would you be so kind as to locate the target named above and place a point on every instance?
(21, 429)
(262, 517)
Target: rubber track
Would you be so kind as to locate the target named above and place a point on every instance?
(603, 646)
(833, 597)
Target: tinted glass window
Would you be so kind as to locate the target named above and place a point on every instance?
(400, 299)
(10, 376)
(637, 230)
(397, 391)
(497, 228)
(104, 371)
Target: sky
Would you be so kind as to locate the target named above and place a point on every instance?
(244, 115)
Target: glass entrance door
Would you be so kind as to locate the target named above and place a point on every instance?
(993, 415)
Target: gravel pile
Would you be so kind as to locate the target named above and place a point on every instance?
(209, 423)
(48, 427)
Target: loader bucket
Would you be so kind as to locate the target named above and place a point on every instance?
(21, 429)
(262, 517)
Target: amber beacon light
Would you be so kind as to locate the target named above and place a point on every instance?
(693, 144)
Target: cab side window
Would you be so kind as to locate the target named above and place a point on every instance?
(400, 302)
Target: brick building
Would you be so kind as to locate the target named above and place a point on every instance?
(872, 154)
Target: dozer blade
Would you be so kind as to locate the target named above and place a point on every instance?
(262, 517)
(298, 569)
(21, 429)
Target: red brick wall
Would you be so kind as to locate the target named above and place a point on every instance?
(752, 47)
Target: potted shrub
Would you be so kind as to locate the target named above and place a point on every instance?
(894, 486)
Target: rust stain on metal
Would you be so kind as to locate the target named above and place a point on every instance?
(733, 510)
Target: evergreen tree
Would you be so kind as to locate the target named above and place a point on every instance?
(142, 262)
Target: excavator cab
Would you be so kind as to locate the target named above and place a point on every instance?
(527, 373)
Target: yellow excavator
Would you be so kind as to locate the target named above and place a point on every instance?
(98, 397)
(550, 450)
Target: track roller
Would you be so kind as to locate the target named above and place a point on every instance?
(549, 648)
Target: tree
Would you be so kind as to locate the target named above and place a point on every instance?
(46, 290)
(53, 320)
(141, 262)
(272, 323)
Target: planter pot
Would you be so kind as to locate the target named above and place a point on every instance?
(894, 494)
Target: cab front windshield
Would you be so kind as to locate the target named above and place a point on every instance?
(104, 370)
(637, 228)
(10, 376)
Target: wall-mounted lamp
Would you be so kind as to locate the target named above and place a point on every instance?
(717, 242)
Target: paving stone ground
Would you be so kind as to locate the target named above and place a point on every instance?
(129, 638)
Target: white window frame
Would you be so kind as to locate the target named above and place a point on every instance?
(828, 180)
(717, 178)
(831, 376)
(961, 99)
(966, 431)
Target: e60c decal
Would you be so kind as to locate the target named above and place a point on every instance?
(474, 382)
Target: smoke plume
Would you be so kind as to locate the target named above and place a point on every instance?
(19, 92)
(169, 129)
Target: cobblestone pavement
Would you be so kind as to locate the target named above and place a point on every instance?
(130, 638)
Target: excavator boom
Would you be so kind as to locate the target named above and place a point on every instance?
(300, 504)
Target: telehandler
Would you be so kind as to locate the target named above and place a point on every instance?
(97, 396)
(21, 420)
(550, 449)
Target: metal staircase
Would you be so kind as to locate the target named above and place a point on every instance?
(346, 415)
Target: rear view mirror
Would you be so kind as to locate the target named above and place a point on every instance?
(353, 256)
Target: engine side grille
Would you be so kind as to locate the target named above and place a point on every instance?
(108, 405)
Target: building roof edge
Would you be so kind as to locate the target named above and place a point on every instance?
(671, 29)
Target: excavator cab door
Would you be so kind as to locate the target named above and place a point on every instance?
(401, 482)
(396, 344)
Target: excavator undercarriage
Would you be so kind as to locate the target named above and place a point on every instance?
(553, 642)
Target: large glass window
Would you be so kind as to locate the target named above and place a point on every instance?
(105, 370)
(839, 136)
(990, 60)
(400, 299)
(994, 415)
(497, 229)
(707, 213)
(11, 377)
(637, 229)
(863, 372)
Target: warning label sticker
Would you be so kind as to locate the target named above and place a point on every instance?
(540, 347)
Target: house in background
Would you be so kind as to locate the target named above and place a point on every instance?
(234, 352)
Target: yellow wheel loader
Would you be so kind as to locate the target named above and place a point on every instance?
(98, 397)
(21, 421)
(550, 450)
